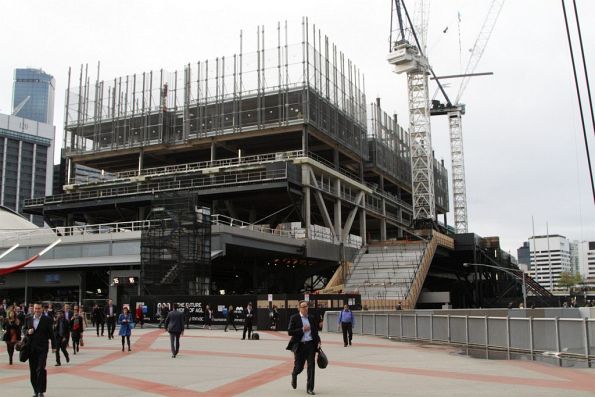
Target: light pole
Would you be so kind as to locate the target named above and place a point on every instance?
(505, 271)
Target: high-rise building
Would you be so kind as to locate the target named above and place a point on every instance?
(26, 162)
(524, 255)
(550, 256)
(33, 95)
(586, 260)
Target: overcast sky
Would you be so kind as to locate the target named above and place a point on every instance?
(524, 149)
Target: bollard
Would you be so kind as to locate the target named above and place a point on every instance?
(508, 337)
(531, 344)
(586, 340)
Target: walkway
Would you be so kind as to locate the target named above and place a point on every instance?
(217, 364)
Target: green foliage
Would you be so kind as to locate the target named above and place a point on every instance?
(569, 280)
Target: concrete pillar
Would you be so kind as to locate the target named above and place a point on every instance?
(383, 221)
(213, 151)
(337, 221)
(336, 160)
(305, 147)
(362, 226)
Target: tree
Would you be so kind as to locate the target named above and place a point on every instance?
(569, 280)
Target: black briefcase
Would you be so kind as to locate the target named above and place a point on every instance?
(322, 359)
(24, 348)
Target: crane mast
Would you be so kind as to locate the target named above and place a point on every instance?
(409, 59)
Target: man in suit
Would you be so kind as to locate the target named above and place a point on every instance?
(304, 344)
(174, 323)
(39, 329)
(61, 333)
(248, 318)
(110, 317)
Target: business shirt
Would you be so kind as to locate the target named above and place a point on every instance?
(346, 316)
(307, 334)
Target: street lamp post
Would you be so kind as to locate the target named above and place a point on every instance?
(505, 271)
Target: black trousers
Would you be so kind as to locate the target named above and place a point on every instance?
(306, 352)
(232, 323)
(38, 374)
(111, 327)
(102, 324)
(247, 327)
(61, 347)
(174, 338)
(347, 329)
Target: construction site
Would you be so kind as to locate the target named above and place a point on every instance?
(269, 171)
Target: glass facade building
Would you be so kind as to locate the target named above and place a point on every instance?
(33, 95)
(26, 162)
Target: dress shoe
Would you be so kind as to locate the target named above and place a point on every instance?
(122, 348)
(311, 392)
(57, 365)
(129, 349)
(294, 381)
(40, 395)
(344, 345)
(67, 359)
(173, 356)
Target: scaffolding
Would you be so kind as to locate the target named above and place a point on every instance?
(176, 249)
(280, 84)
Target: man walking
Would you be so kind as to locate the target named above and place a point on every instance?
(110, 316)
(346, 321)
(304, 343)
(61, 333)
(174, 323)
(248, 317)
(39, 329)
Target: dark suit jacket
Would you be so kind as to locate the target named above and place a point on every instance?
(249, 317)
(295, 330)
(106, 311)
(174, 322)
(43, 333)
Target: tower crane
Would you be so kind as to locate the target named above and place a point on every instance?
(454, 113)
(410, 59)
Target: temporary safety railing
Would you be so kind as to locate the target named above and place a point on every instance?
(557, 338)
(228, 179)
(125, 176)
(103, 228)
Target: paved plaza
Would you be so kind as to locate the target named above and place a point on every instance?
(216, 363)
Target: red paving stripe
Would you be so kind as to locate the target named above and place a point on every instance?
(224, 354)
(10, 379)
(141, 384)
(511, 380)
(276, 334)
(568, 374)
(253, 381)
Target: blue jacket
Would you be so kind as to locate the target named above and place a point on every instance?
(126, 324)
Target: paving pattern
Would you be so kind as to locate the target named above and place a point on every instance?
(219, 364)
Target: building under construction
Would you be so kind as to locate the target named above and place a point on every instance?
(297, 172)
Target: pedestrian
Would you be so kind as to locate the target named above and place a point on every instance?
(76, 329)
(187, 316)
(275, 318)
(174, 323)
(248, 319)
(98, 319)
(164, 311)
(140, 319)
(346, 321)
(12, 333)
(230, 319)
(208, 317)
(109, 312)
(126, 324)
(61, 333)
(304, 344)
(399, 307)
(40, 331)
(81, 311)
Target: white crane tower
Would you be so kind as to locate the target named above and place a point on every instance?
(403, 57)
(409, 58)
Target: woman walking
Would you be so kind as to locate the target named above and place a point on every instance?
(126, 323)
(139, 315)
(12, 326)
(208, 317)
(230, 318)
(76, 330)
